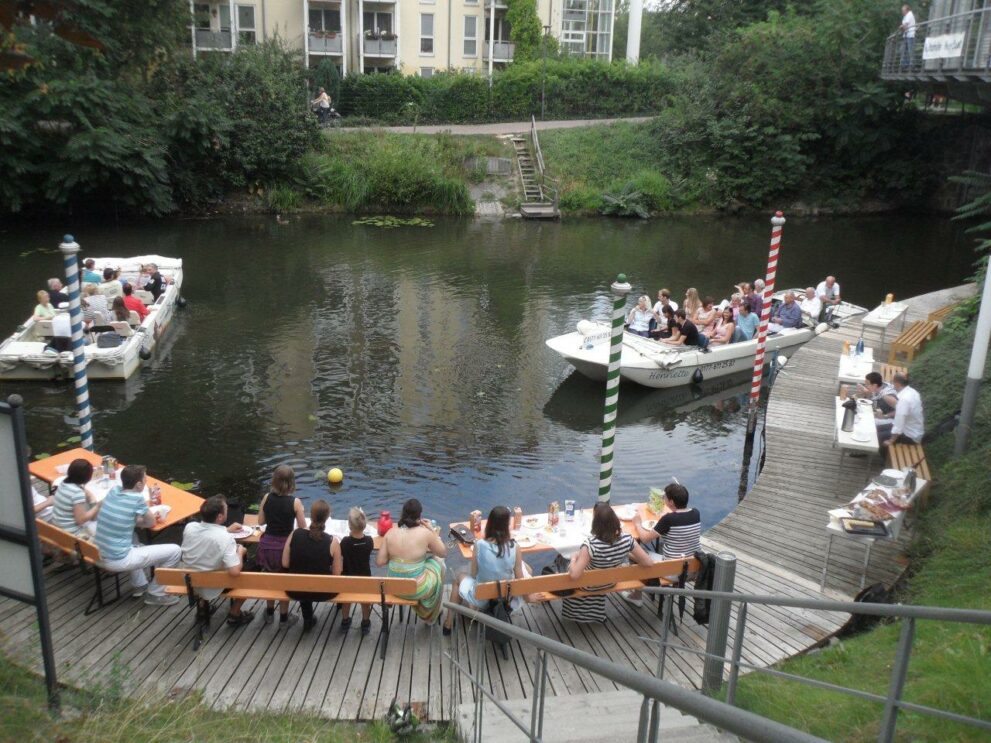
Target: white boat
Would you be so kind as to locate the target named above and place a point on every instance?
(654, 364)
(28, 355)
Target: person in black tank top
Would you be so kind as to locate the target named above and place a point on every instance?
(280, 509)
(313, 552)
(356, 549)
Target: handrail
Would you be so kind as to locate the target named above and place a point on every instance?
(720, 714)
(904, 55)
(904, 611)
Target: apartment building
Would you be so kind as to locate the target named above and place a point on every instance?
(415, 37)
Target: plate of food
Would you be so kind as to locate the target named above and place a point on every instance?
(243, 533)
(526, 541)
(161, 512)
(626, 513)
(650, 523)
(531, 522)
(543, 538)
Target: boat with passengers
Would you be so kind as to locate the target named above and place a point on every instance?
(652, 363)
(31, 353)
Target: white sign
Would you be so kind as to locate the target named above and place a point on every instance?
(947, 46)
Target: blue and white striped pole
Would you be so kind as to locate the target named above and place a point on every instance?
(70, 248)
(620, 288)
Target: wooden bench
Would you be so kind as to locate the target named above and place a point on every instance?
(912, 340)
(903, 456)
(274, 586)
(940, 315)
(888, 371)
(87, 556)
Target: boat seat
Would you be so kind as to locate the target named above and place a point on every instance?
(43, 328)
(133, 318)
(122, 328)
(145, 296)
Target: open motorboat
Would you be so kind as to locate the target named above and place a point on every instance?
(654, 364)
(28, 354)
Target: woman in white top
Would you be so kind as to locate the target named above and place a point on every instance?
(44, 310)
(722, 332)
(640, 317)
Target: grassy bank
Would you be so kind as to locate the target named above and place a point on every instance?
(379, 171)
(951, 566)
(105, 716)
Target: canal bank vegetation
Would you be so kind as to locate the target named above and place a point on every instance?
(110, 714)
(950, 565)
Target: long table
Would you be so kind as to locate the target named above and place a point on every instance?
(182, 505)
(568, 538)
(335, 527)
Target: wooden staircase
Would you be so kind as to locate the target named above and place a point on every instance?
(539, 200)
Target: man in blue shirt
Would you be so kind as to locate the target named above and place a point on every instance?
(786, 315)
(123, 509)
(746, 324)
(90, 276)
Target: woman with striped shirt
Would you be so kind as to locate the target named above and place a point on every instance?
(607, 547)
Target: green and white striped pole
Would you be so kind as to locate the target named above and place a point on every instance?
(620, 288)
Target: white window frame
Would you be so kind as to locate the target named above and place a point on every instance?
(466, 38)
(430, 36)
(426, 72)
(375, 18)
(253, 30)
(324, 12)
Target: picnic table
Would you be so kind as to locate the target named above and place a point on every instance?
(534, 535)
(336, 527)
(883, 316)
(854, 368)
(893, 527)
(181, 504)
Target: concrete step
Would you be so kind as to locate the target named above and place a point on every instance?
(586, 718)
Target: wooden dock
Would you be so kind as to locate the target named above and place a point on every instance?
(777, 534)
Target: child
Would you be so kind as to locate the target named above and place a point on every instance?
(357, 551)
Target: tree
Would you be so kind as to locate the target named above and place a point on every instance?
(524, 29)
(326, 76)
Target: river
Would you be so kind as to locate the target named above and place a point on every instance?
(414, 358)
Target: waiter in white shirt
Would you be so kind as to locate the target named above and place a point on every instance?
(910, 424)
(908, 32)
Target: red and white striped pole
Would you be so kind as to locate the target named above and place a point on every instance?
(777, 222)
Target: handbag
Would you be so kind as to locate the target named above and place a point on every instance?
(463, 535)
(109, 340)
(498, 609)
(557, 567)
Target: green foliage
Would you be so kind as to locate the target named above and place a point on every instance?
(627, 202)
(282, 199)
(573, 88)
(524, 29)
(390, 223)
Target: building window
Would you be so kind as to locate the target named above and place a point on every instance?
(246, 24)
(325, 19)
(201, 16)
(377, 23)
(501, 29)
(426, 33)
(471, 36)
(426, 72)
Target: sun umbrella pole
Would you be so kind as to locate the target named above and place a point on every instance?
(70, 248)
(620, 288)
(777, 222)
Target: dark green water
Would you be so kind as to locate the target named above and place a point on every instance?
(414, 358)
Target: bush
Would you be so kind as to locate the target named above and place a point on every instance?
(326, 76)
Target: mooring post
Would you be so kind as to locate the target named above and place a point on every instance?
(620, 288)
(70, 248)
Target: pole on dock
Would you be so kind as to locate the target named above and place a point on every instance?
(975, 372)
(70, 248)
(723, 579)
(620, 288)
(777, 223)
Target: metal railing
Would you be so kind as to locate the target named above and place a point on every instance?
(214, 40)
(548, 186)
(379, 47)
(956, 46)
(324, 43)
(502, 51)
(892, 701)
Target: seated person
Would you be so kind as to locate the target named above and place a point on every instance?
(43, 310)
(724, 328)
(110, 287)
(665, 324)
(679, 528)
(208, 545)
(885, 400)
(909, 423)
(122, 510)
(312, 551)
(156, 283)
(55, 293)
(356, 553)
(90, 276)
(684, 332)
(829, 292)
(664, 300)
(786, 315)
(119, 311)
(133, 303)
(640, 317)
(705, 317)
(414, 551)
(75, 507)
(746, 324)
(734, 302)
(811, 305)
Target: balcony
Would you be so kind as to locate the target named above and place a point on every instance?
(219, 41)
(326, 43)
(381, 47)
(953, 50)
(502, 51)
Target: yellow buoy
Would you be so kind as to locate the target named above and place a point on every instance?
(335, 476)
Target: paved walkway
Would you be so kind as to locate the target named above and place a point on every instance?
(509, 127)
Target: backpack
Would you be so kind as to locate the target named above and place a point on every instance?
(703, 582)
(498, 609)
(874, 594)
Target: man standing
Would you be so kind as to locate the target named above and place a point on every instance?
(908, 32)
(208, 545)
(123, 509)
(910, 424)
(786, 315)
(55, 293)
(828, 292)
(133, 303)
(811, 305)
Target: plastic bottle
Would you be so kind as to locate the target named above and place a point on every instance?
(846, 348)
(385, 523)
(860, 347)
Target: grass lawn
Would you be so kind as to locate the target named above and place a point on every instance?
(101, 717)
(951, 566)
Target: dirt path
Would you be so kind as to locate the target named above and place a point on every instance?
(509, 127)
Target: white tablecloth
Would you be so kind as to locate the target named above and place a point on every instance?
(863, 437)
(884, 314)
(854, 368)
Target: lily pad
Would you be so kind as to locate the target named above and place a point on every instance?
(311, 418)
(38, 457)
(253, 508)
(74, 439)
(389, 223)
(183, 485)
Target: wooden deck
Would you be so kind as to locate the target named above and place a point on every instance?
(777, 533)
